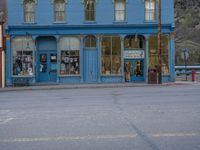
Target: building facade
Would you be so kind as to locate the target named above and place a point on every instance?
(87, 41)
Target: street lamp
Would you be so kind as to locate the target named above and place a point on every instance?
(159, 44)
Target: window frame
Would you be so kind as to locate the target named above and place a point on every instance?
(29, 12)
(64, 12)
(115, 1)
(149, 11)
(89, 11)
(22, 39)
(90, 42)
(69, 51)
(154, 53)
(139, 38)
(111, 56)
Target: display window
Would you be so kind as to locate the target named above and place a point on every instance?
(153, 53)
(70, 56)
(22, 56)
(111, 55)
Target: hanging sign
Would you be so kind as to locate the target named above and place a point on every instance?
(1, 36)
(132, 54)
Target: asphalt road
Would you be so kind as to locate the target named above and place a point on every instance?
(138, 118)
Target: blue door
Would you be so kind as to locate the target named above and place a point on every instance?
(136, 67)
(47, 66)
(90, 66)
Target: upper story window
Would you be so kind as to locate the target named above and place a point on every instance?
(59, 10)
(150, 10)
(90, 10)
(120, 10)
(90, 42)
(29, 11)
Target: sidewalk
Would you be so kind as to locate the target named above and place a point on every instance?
(100, 85)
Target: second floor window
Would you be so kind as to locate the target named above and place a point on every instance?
(89, 10)
(150, 10)
(120, 9)
(29, 11)
(59, 10)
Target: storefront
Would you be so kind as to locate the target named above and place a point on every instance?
(86, 58)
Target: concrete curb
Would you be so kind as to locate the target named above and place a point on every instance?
(83, 86)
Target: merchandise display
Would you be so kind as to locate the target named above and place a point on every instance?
(69, 63)
(23, 63)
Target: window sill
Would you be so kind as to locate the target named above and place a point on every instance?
(150, 21)
(22, 76)
(111, 75)
(69, 75)
(60, 22)
(29, 23)
(90, 22)
(120, 22)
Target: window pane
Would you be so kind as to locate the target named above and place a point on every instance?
(90, 10)
(111, 55)
(133, 42)
(165, 57)
(90, 42)
(29, 11)
(70, 57)
(119, 10)
(150, 10)
(59, 10)
(153, 53)
(22, 53)
(116, 55)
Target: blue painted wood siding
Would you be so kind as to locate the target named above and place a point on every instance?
(75, 12)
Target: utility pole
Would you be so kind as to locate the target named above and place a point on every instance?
(159, 44)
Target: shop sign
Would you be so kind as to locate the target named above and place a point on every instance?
(132, 54)
(1, 36)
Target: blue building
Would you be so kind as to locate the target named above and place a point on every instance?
(87, 41)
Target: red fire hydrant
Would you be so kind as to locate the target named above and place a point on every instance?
(193, 75)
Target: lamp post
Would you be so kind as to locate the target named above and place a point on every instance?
(159, 44)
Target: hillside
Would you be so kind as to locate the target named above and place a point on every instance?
(187, 19)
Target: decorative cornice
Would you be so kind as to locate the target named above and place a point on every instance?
(22, 1)
(113, 1)
(82, 1)
(66, 1)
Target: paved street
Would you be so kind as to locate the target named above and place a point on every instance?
(128, 118)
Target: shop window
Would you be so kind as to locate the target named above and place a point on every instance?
(22, 52)
(70, 56)
(59, 10)
(120, 10)
(153, 53)
(29, 11)
(150, 10)
(133, 42)
(90, 10)
(90, 41)
(111, 55)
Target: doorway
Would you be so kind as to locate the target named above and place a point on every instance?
(135, 69)
(46, 59)
(90, 65)
(47, 70)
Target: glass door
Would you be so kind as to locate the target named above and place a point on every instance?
(47, 66)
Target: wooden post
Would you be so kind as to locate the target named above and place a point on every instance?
(159, 69)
